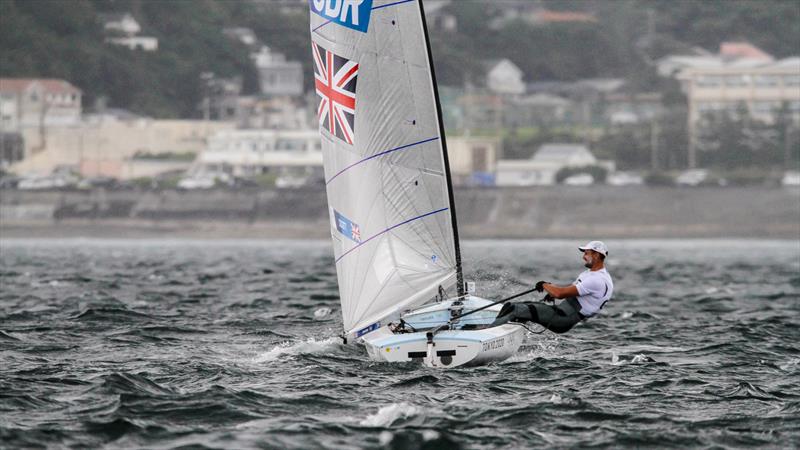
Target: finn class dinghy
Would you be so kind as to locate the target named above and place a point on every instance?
(390, 195)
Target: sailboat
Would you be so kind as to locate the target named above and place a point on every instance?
(390, 193)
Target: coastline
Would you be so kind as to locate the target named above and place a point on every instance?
(521, 213)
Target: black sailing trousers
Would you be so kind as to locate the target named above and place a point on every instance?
(556, 318)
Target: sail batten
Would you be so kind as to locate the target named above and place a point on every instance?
(386, 171)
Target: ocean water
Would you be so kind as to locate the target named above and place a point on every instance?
(233, 344)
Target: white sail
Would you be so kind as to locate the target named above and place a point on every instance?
(387, 180)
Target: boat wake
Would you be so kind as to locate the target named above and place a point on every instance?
(388, 415)
(291, 349)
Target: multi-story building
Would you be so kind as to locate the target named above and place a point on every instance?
(277, 76)
(763, 89)
(38, 102)
(253, 152)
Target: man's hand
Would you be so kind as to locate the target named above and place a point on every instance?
(540, 286)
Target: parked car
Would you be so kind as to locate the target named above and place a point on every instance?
(692, 177)
(204, 180)
(791, 178)
(625, 179)
(44, 182)
(580, 179)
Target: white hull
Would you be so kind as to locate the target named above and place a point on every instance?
(449, 348)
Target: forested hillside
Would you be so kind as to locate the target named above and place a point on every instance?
(65, 39)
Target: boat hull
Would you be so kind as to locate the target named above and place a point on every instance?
(450, 348)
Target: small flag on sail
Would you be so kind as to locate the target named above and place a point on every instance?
(335, 81)
(345, 226)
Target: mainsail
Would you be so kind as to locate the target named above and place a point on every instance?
(390, 198)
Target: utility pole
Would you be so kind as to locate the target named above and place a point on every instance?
(654, 132)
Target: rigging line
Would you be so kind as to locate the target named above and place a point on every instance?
(402, 147)
(373, 9)
(390, 229)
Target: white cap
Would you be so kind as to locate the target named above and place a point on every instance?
(597, 246)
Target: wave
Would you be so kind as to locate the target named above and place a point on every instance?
(291, 349)
(387, 415)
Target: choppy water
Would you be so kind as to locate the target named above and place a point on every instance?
(164, 344)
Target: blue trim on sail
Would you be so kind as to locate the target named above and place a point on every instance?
(389, 229)
(403, 147)
(321, 25)
(373, 9)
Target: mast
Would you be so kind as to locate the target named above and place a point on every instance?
(453, 220)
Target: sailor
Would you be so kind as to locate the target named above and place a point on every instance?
(584, 298)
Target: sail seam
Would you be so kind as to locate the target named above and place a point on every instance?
(391, 4)
(390, 229)
(403, 147)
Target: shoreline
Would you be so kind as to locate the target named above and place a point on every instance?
(296, 230)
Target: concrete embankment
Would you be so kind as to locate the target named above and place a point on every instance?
(601, 212)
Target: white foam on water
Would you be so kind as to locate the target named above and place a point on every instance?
(430, 435)
(545, 348)
(627, 315)
(555, 398)
(791, 365)
(321, 312)
(289, 349)
(385, 437)
(389, 414)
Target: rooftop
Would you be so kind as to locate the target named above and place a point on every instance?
(50, 85)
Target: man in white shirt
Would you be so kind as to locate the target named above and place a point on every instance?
(584, 298)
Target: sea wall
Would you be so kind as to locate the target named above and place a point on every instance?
(579, 212)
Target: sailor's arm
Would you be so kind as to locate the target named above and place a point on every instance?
(561, 291)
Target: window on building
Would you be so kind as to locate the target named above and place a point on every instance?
(791, 80)
(737, 80)
(709, 81)
(767, 80)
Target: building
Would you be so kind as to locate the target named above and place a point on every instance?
(253, 152)
(278, 77)
(505, 78)
(144, 43)
(108, 146)
(244, 35)
(541, 169)
(122, 23)
(122, 29)
(473, 160)
(537, 110)
(729, 52)
(38, 103)
(761, 88)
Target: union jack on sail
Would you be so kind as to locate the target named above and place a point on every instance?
(335, 80)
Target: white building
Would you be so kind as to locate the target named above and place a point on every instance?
(122, 30)
(504, 77)
(38, 102)
(277, 76)
(253, 152)
(541, 169)
(121, 23)
(145, 43)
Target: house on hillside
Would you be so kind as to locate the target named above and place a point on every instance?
(505, 78)
(537, 110)
(277, 76)
(120, 23)
(244, 35)
(122, 29)
(541, 168)
(38, 102)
